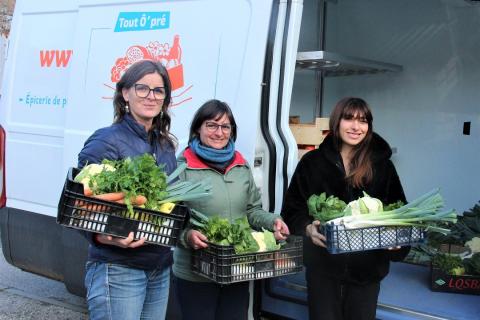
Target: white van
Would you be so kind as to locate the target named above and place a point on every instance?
(415, 62)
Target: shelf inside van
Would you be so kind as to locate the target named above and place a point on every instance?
(334, 64)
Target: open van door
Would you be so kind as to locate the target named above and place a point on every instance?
(412, 62)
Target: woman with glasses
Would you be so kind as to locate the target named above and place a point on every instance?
(211, 155)
(128, 279)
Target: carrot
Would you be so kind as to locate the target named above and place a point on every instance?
(140, 200)
(87, 191)
(112, 196)
(95, 207)
(136, 201)
(81, 205)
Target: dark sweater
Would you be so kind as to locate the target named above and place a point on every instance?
(118, 141)
(322, 170)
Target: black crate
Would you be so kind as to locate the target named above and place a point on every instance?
(341, 240)
(222, 265)
(75, 210)
(443, 282)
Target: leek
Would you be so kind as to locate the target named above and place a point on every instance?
(425, 212)
(186, 190)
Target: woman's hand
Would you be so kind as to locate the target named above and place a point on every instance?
(196, 239)
(312, 232)
(280, 229)
(127, 242)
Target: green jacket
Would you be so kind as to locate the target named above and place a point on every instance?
(233, 195)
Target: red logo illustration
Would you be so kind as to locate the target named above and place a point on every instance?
(169, 56)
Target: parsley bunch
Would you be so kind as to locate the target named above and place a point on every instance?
(139, 175)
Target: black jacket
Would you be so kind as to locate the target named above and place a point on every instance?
(322, 170)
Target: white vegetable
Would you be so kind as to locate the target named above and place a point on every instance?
(474, 244)
(260, 238)
(353, 208)
(90, 170)
(372, 204)
(363, 205)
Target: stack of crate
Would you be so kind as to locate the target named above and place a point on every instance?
(308, 135)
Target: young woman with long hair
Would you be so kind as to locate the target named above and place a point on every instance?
(351, 159)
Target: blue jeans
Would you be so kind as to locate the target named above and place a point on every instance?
(119, 292)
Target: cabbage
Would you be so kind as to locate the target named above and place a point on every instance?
(266, 240)
(89, 171)
(363, 205)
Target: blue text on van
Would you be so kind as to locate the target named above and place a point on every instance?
(140, 21)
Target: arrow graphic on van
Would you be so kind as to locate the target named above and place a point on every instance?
(61, 58)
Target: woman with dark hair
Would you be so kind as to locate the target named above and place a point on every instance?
(211, 155)
(350, 160)
(126, 279)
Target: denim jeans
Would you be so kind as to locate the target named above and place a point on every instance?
(118, 292)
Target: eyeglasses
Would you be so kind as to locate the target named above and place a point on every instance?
(143, 91)
(212, 127)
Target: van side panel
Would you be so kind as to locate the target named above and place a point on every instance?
(34, 103)
(63, 64)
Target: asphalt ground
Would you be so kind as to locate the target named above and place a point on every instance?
(24, 295)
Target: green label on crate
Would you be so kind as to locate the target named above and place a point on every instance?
(440, 282)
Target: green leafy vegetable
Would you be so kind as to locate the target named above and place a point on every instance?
(472, 264)
(324, 208)
(141, 175)
(239, 234)
(270, 241)
(393, 206)
(448, 263)
(133, 176)
(466, 228)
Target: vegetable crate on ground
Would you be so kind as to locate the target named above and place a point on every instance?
(443, 282)
(222, 265)
(342, 240)
(75, 210)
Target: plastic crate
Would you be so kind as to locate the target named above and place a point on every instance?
(341, 240)
(75, 210)
(443, 282)
(223, 266)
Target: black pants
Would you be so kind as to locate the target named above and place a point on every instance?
(331, 299)
(210, 301)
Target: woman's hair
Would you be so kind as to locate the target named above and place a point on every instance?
(138, 70)
(361, 171)
(212, 110)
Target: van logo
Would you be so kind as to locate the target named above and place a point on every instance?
(169, 56)
(55, 58)
(141, 21)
